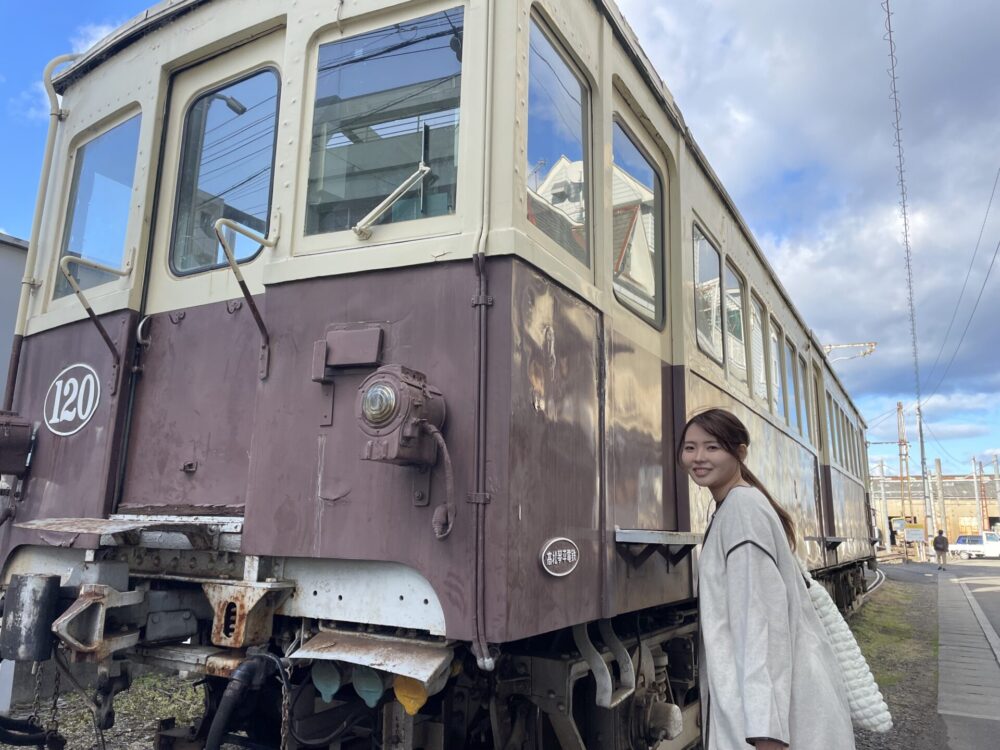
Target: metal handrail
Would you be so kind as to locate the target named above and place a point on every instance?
(64, 264)
(269, 241)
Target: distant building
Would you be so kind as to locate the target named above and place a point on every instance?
(12, 254)
(962, 513)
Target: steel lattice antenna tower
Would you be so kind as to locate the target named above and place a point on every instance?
(900, 172)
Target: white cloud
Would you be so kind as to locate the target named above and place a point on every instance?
(942, 404)
(790, 102)
(32, 103)
(955, 430)
(86, 36)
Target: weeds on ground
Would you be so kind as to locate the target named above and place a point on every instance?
(153, 696)
(886, 635)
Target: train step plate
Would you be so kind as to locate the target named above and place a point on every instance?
(195, 532)
(421, 660)
(637, 545)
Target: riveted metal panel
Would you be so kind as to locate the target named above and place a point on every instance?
(71, 475)
(189, 443)
(310, 494)
(554, 454)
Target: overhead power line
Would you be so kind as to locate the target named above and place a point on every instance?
(972, 315)
(965, 283)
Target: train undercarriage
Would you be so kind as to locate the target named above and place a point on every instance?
(177, 595)
(274, 680)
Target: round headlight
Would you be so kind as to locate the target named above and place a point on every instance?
(378, 405)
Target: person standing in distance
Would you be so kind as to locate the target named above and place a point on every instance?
(769, 678)
(941, 549)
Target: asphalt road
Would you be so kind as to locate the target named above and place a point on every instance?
(983, 579)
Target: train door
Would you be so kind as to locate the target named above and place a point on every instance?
(189, 435)
(640, 394)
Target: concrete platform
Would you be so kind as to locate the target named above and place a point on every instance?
(968, 668)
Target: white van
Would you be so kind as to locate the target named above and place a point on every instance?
(974, 545)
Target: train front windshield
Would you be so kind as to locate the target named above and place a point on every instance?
(386, 102)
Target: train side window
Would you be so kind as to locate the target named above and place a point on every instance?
(558, 167)
(819, 408)
(834, 431)
(736, 345)
(854, 450)
(807, 418)
(100, 195)
(848, 444)
(758, 360)
(636, 207)
(227, 159)
(838, 416)
(792, 378)
(778, 405)
(707, 297)
(387, 102)
(846, 427)
(851, 462)
(847, 440)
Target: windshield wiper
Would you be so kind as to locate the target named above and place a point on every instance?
(363, 227)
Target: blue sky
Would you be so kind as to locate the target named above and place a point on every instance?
(789, 100)
(34, 33)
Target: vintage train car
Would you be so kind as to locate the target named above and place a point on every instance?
(354, 343)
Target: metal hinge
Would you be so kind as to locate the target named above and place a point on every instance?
(481, 300)
(482, 498)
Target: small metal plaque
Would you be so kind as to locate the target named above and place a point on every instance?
(559, 556)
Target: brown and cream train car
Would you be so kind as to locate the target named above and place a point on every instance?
(353, 346)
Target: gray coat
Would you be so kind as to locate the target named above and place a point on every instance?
(767, 670)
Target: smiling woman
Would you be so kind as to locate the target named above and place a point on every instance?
(771, 678)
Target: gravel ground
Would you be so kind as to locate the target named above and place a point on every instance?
(897, 631)
(152, 697)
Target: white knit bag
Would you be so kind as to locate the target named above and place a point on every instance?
(868, 707)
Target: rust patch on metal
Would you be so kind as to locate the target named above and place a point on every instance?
(223, 665)
(82, 626)
(244, 611)
(420, 660)
(183, 510)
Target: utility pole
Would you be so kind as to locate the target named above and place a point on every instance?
(986, 499)
(885, 505)
(996, 481)
(930, 515)
(939, 480)
(983, 520)
(905, 497)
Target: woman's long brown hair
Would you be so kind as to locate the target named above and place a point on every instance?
(731, 434)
